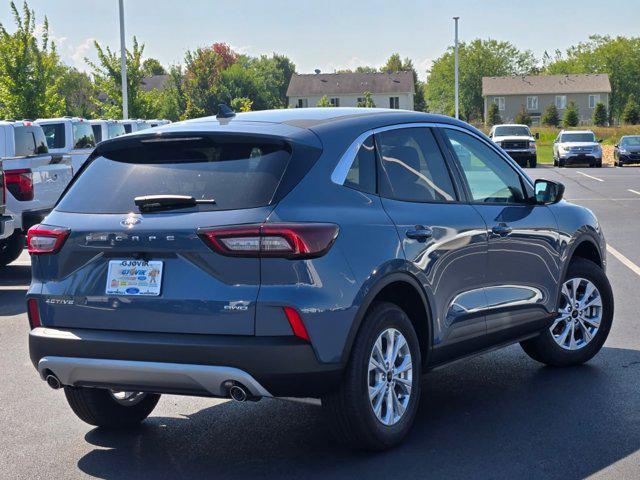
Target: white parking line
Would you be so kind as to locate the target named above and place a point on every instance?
(625, 261)
(634, 191)
(590, 176)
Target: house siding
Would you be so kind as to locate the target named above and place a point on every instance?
(514, 103)
(381, 100)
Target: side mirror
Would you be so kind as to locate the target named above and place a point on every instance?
(548, 192)
(537, 135)
(616, 146)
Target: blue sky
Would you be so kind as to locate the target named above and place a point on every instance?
(328, 34)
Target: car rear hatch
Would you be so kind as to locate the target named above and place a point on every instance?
(146, 266)
(2, 191)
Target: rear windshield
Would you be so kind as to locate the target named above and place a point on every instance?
(54, 133)
(29, 141)
(115, 130)
(97, 132)
(83, 135)
(236, 172)
(578, 137)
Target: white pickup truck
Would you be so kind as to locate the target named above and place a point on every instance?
(69, 135)
(131, 126)
(106, 129)
(34, 179)
(6, 220)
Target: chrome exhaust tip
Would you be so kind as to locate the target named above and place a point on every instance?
(238, 393)
(53, 382)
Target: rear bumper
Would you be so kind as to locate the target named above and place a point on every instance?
(7, 226)
(182, 363)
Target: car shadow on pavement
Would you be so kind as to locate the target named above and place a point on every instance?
(14, 283)
(496, 416)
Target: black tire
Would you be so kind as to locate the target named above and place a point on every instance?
(11, 248)
(533, 161)
(561, 163)
(555, 162)
(544, 349)
(349, 411)
(96, 406)
(599, 164)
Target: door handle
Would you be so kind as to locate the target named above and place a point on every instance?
(420, 233)
(502, 229)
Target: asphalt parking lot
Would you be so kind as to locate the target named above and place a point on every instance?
(500, 415)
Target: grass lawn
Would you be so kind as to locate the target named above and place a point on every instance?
(545, 153)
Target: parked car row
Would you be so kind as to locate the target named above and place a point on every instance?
(38, 161)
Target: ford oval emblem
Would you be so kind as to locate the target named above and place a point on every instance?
(130, 221)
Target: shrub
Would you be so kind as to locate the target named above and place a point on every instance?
(631, 112)
(523, 117)
(367, 101)
(600, 115)
(551, 116)
(241, 104)
(323, 102)
(493, 115)
(571, 117)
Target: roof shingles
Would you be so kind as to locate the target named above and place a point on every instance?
(546, 84)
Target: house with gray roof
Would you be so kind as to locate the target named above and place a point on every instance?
(388, 89)
(535, 93)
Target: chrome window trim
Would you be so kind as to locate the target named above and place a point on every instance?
(339, 174)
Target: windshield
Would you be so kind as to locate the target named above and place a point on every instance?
(578, 137)
(511, 132)
(631, 141)
(240, 173)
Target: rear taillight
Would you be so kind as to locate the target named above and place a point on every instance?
(42, 239)
(285, 240)
(34, 313)
(19, 183)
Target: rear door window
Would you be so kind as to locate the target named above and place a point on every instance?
(54, 133)
(362, 174)
(29, 141)
(237, 172)
(97, 132)
(83, 135)
(413, 168)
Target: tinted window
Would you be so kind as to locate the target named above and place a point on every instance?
(240, 173)
(97, 132)
(489, 176)
(630, 141)
(29, 141)
(54, 133)
(83, 135)
(127, 127)
(413, 168)
(115, 130)
(362, 174)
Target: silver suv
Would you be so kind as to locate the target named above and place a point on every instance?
(577, 146)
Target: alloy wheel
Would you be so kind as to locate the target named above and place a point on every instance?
(390, 376)
(579, 314)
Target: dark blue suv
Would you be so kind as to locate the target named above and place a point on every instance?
(326, 253)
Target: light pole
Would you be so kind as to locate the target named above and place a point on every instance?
(457, 86)
(123, 65)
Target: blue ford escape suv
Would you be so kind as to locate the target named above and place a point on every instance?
(325, 253)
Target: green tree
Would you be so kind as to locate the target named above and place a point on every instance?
(478, 58)
(571, 117)
(551, 116)
(78, 93)
(522, 117)
(108, 80)
(493, 115)
(619, 57)
(241, 104)
(600, 115)
(367, 101)
(151, 67)
(631, 112)
(203, 68)
(29, 69)
(323, 102)
(395, 64)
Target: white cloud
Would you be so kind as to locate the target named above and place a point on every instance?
(77, 53)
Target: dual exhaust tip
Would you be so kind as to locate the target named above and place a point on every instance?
(237, 391)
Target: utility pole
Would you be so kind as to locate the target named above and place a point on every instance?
(457, 81)
(123, 63)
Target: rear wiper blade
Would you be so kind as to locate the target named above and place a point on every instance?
(149, 203)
